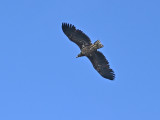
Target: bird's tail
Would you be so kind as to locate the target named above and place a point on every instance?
(98, 44)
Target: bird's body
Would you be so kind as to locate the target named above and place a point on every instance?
(89, 50)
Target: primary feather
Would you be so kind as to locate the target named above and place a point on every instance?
(76, 36)
(101, 64)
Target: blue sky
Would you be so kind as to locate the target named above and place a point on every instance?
(40, 78)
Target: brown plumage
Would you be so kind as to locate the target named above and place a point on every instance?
(89, 50)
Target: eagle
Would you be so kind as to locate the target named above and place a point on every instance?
(98, 60)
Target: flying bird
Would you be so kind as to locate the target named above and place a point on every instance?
(98, 60)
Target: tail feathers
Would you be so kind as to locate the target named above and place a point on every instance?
(98, 44)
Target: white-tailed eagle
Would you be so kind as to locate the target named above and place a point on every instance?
(89, 50)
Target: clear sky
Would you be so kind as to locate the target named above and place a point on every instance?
(40, 78)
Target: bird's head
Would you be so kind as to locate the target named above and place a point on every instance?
(80, 55)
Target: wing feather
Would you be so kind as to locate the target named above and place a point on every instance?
(101, 64)
(75, 35)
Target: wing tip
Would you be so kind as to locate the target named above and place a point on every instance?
(110, 76)
(67, 26)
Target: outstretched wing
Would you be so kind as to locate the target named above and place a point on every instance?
(75, 35)
(101, 64)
